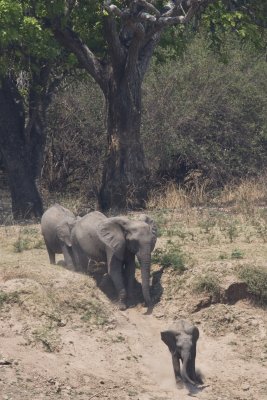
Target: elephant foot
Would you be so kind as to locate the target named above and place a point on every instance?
(131, 302)
(122, 306)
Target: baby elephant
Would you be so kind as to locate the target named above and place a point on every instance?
(56, 225)
(181, 340)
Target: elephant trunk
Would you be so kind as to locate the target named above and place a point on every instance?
(186, 360)
(145, 262)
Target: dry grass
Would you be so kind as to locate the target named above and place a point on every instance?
(242, 196)
(173, 196)
(249, 191)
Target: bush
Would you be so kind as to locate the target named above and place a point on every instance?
(206, 115)
(207, 283)
(256, 280)
(171, 256)
(76, 139)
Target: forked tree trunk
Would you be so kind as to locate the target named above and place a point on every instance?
(124, 182)
(26, 200)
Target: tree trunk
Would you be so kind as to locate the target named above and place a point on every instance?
(25, 197)
(124, 181)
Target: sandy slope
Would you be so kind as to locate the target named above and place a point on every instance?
(49, 350)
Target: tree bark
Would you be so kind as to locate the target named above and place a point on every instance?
(125, 174)
(26, 200)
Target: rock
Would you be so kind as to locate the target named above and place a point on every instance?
(4, 361)
(245, 386)
(203, 302)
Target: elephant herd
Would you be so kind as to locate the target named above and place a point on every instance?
(116, 241)
(96, 238)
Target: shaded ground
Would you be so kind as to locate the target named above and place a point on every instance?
(62, 338)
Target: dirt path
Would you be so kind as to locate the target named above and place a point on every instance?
(224, 373)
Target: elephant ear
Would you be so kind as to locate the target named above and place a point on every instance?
(168, 337)
(153, 228)
(63, 230)
(112, 233)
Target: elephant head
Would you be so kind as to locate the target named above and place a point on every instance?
(138, 237)
(181, 341)
(63, 231)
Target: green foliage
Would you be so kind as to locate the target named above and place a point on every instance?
(207, 283)
(221, 19)
(207, 115)
(171, 256)
(28, 238)
(95, 314)
(5, 298)
(10, 20)
(256, 280)
(237, 254)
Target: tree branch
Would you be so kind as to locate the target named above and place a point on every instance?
(149, 7)
(87, 59)
(114, 45)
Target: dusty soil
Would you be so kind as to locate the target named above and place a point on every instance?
(62, 338)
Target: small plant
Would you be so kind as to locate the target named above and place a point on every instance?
(261, 228)
(119, 339)
(171, 256)
(28, 239)
(95, 314)
(256, 280)
(237, 254)
(21, 244)
(223, 256)
(8, 298)
(207, 283)
(48, 337)
(207, 224)
(232, 232)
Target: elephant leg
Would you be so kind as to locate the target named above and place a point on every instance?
(115, 272)
(191, 365)
(51, 254)
(80, 259)
(176, 368)
(130, 276)
(67, 252)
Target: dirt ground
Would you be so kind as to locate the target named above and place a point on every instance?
(61, 337)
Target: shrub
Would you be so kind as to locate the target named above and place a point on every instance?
(171, 256)
(8, 298)
(207, 283)
(256, 280)
(206, 115)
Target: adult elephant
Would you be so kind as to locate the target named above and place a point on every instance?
(116, 241)
(181, 339)
(56, 225)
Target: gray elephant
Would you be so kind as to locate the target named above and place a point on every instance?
(181, 340)
(116, 241)
(56, 225)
